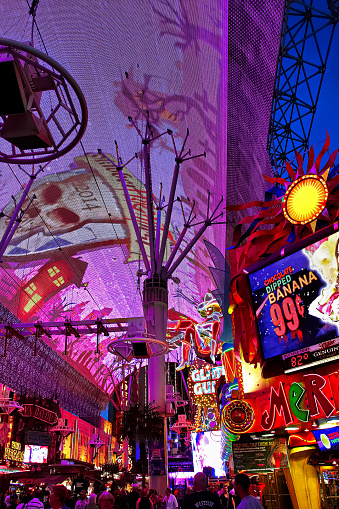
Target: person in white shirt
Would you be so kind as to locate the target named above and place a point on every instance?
(170, 500)
(241, 488)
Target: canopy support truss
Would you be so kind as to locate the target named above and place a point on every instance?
(306, 37)
(105, 326)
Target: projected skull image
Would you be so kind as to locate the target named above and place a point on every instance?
(78, 210)
(70, 207)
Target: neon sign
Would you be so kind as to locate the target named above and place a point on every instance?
(205, 379)
(320, 392)
(40, 413)
(201, 337)
(14, 453)
(202, 383)
(237, 416)
(305, 199)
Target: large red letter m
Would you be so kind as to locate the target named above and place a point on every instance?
(278, 404)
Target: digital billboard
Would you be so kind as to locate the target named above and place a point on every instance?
(156, 458)
(327, 438)
(296, 301)
(35, 454)
(206, 452)
(180, 459)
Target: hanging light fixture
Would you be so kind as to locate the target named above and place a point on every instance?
(96, 441)
(137, 343)
(36, 129)
(62, 430)
(7, 404)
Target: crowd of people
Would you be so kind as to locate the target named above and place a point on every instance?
(234, 496)
(237, 494)
(58, 498)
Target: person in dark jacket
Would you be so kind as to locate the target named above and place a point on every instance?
(133, 497)
(223, 495)
(143, 502)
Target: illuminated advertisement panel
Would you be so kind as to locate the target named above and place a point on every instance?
(206, 452)
(35, 454)
(180, 459)
(260, 455)
(296, 301)
(327, 439)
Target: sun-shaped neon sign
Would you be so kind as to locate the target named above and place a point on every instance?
(305, 199)
(309, 195)
(294, 208)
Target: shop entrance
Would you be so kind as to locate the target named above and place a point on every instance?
(275, 494)
(329, 487)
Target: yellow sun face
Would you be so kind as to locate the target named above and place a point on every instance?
(305, 199)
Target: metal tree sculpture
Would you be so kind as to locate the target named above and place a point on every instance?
(155, 292)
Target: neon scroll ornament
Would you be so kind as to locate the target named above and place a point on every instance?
(201, 337)
(237, 416)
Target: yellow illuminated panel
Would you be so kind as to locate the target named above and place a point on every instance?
(14, 453)
(305, 199)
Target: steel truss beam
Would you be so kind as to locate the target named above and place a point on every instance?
(105, 326)
(77, 328)
(66, 328)
(306, 38)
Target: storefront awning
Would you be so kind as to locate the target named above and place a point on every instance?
(34, 477)
(54, 479)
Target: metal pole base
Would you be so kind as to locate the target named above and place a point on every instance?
(158, 483)
(155, 310)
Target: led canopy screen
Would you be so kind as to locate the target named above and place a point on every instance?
(75, 252)
(36, 454)
(296, 301)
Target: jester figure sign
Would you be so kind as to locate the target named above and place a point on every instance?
(202, 337)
